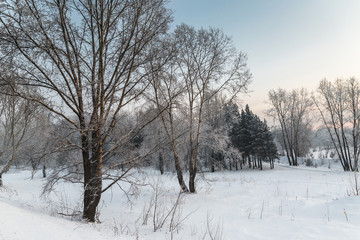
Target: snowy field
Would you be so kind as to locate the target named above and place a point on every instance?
(284, 203)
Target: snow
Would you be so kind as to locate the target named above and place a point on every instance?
(283, 203)
(18, 223)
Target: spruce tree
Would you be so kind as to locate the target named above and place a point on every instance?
(253, 139)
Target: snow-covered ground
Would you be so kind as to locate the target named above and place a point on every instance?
(284, 203)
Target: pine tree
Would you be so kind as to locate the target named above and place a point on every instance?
(253, 139)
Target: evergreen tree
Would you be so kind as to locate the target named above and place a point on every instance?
(253, 139)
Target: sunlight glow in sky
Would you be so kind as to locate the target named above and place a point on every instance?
(289, 43)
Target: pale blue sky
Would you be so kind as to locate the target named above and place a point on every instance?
(289, 43)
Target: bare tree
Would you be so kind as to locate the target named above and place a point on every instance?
(280, 111)
(208, 64)
(353, 90)
(216, 143)
(203, 63)
(16, 115)
(291, 109)
(88, 58)
(338, 105)
(167, 95)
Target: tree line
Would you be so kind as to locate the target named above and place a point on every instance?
(333, 108)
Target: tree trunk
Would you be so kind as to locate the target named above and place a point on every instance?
(92, 192)
(192, 175)
(92, 197)
(161, 163)
(212, 161)
(192, 181)
(178, 168)
(356, 167)
(44, 171)
(1, 182)
(192, 167)
(284, 134)
(92, 175)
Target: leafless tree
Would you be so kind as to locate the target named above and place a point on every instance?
(291, 110)
(16, 116)
(208, 64)
(215, 144)
(203, 63)
(338, 104)
(88, 59)
(167, 94)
